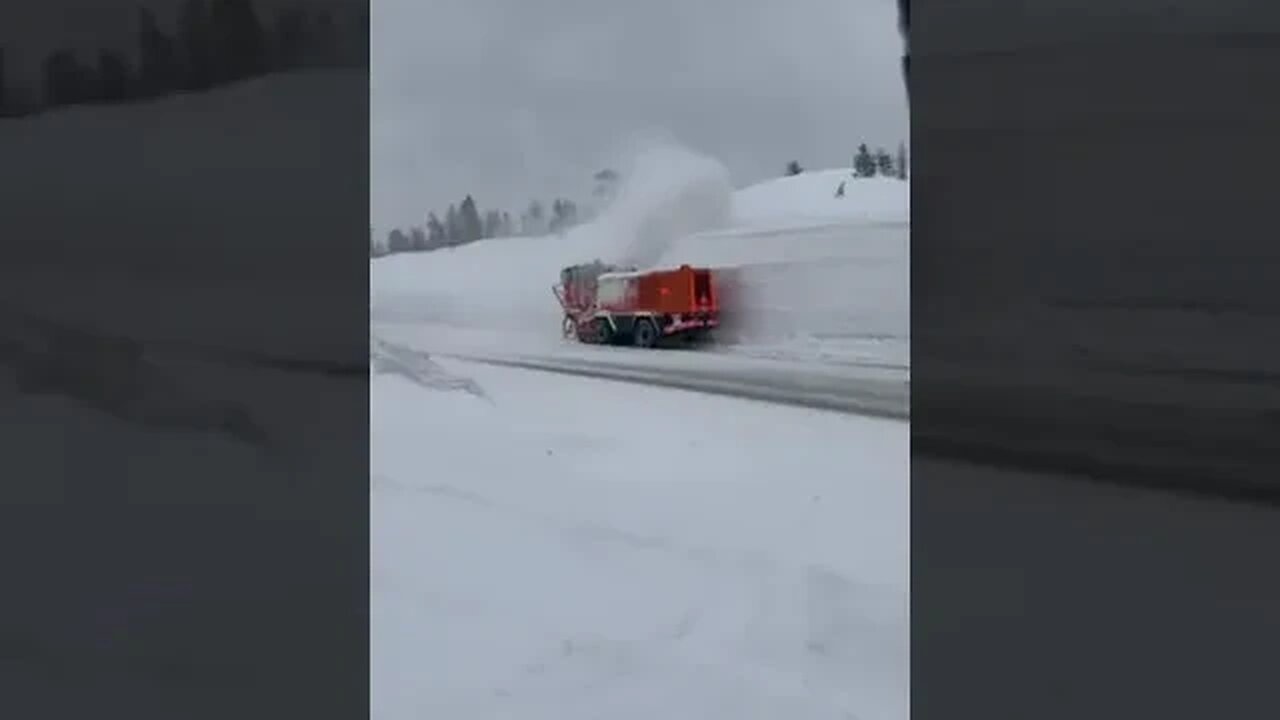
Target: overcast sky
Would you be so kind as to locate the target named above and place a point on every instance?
(511, 99)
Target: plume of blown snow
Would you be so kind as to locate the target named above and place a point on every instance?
(667, 192)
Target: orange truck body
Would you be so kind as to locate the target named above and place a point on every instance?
(603, 304)
(682, 291)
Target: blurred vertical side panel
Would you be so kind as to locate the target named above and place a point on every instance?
(183, 359)
(1096, 347)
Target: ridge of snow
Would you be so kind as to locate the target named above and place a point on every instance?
(810, 197)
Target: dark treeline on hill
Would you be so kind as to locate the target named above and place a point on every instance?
(212, 44)
(868, 163)
(465, 223)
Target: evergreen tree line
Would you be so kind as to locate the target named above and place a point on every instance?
(464, 223)
(868, 163)
(214, 43)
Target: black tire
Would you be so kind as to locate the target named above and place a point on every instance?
(645, 333)
(596, 332)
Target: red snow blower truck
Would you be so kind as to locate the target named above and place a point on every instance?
(608, 305)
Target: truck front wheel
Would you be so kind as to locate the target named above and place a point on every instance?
(645, 333)
(604, 331)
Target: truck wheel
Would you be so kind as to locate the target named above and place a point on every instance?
(645, 333)
(603, 335)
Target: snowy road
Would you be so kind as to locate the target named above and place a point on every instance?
(859, 396)
(869, 388)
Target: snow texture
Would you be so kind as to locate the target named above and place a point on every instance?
(598, 549)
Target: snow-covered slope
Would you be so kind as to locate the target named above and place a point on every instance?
(787, 219)
(822, 269)
(811, 197)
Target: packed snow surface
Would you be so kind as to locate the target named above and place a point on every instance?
(556, 547)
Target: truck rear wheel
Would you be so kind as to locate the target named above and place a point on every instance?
(645, 333)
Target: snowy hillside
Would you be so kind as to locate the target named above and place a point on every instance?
(810, 197)
(825, 271)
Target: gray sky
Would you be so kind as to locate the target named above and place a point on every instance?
(511, 99)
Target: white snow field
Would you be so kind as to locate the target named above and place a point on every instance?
(559, 547)
(559, 532)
